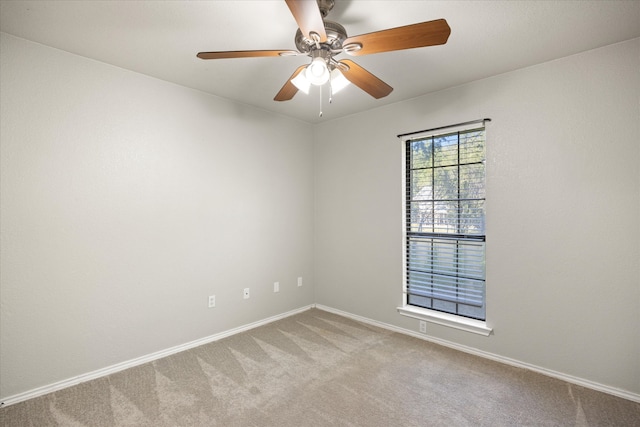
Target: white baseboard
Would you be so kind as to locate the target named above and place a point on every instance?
(40, 391)
(502, 359)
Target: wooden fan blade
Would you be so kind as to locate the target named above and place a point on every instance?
(308, 17)
(365, 80)
(245, 54)
(289, 89)
(429, 33)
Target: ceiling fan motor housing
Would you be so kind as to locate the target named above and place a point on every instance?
(336, 35)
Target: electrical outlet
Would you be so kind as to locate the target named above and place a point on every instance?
(245, 294)
(276, 286)
(212, 301)
(299, 281)
(423, 326)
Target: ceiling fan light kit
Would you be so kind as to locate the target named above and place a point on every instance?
(322, 40)
(302, 82)
(318, 71)
(338, 81)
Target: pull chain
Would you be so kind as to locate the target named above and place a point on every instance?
(321, 100)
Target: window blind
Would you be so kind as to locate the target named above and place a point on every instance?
(445, 221)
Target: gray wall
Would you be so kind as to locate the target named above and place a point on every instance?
(126, 201)
(563, 208)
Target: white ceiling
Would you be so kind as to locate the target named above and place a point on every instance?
(161, 39)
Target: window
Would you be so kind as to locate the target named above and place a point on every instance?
(445, 221)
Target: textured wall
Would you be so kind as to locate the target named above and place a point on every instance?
(563, 204)
(126, 201)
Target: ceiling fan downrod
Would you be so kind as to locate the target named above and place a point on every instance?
(325, 7)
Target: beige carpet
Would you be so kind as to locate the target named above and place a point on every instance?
(320, 369)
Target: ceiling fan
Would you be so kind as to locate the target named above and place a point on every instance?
(321, 40)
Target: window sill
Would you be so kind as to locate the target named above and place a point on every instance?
(445, 319)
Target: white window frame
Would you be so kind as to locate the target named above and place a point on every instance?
(434, 316)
